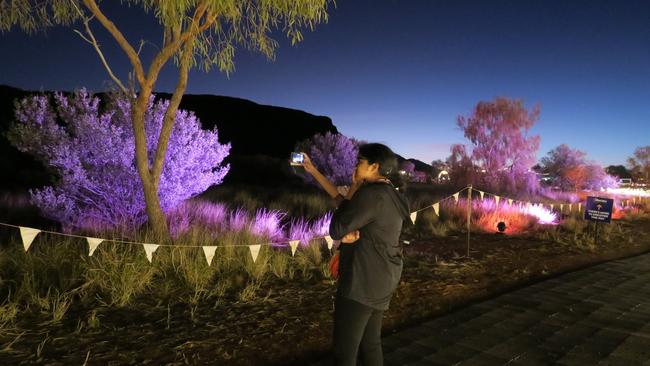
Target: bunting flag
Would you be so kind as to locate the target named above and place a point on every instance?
(497, 199)
(436, 208)
(255, 250)
(456, 196)
(294, 246)
(561, 207)
(93, 243)
(209, 250)
(579, 206)
(510, 201)
(570, 207)
(552, 205)
(149, 249)
(481, 193)
(414, 216)
(28, 234)
(329, 241)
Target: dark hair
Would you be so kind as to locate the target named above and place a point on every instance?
(387, 160)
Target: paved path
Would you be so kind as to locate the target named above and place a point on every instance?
(596, 316)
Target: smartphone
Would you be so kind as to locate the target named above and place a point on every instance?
(297, 158)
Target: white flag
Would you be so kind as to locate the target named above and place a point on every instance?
(436, 208)
(93, 243)
(570, 207)
(209, 250)
(414, 215)
(551, 206)
(456, 196)
(561, 207)
(28, 234)
(481, 193)
(149, 249)
(510, 201)
(329, 241)
(497, 199)
(294, 246)
(255, 250)
(579, 206)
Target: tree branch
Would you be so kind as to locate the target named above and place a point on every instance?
(93, 41)
(119, 37)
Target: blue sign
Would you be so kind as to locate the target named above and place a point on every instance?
(599, 209)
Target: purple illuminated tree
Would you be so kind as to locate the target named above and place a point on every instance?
(92, 153)
(334, 155)
(498, 131)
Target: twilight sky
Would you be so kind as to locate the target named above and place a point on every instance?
(401, 71)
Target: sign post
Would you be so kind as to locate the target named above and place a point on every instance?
(598, 210)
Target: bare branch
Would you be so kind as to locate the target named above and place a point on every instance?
(119, 37)
(93, 41)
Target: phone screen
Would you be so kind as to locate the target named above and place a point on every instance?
(297, 158)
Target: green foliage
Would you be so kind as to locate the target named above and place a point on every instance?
(247, 23)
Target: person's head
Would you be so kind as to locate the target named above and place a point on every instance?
(377, 161)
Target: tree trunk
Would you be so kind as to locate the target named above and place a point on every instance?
(149, 184)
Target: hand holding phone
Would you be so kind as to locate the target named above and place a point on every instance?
(297, 158)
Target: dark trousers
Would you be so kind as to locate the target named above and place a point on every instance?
(357, 331)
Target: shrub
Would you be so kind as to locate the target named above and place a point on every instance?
(334, 155)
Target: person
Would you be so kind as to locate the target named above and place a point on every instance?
(368, 221)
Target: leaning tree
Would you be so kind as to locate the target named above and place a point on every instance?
(195, 33)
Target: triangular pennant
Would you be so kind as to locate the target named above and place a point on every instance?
(28, 234)
(436, 208)
(255, 250)
(149, 249)
(93, 243)
(570, 207)
(510, 201)
(552, 205)
(414, 216)
(294, 245)
(497, 199)
(209, 250)
(456, 196)
(329, 241)
(481, 193)
(579, 206)
(561, 207)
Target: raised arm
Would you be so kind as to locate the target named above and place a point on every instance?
(320, 178)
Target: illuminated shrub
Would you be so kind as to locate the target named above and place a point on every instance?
(334, 155)
(91, 152)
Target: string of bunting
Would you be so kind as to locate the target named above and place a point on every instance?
(28, 234)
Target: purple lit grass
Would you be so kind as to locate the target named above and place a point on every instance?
(265, 224)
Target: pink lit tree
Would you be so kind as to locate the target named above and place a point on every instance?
(91, 152)
(501, 146)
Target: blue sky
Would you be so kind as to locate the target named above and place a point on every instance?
(400, 72)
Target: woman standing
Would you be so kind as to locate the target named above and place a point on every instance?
(368, 221)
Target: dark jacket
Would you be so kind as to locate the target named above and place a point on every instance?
(370, 268)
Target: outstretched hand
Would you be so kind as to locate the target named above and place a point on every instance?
(351, 237)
